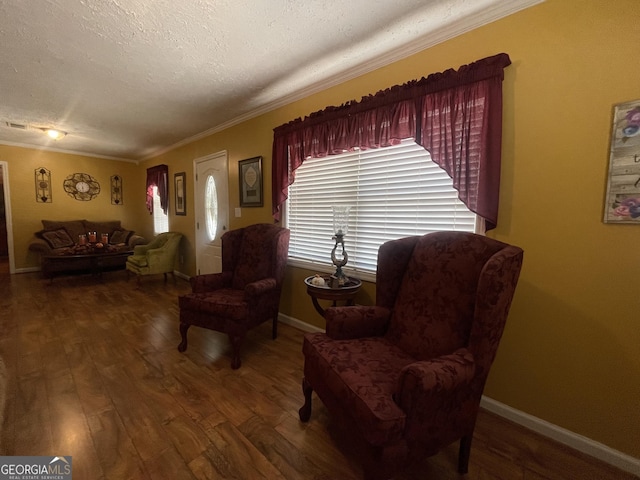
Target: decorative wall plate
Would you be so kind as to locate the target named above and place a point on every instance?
(81, 186)
(43, 185)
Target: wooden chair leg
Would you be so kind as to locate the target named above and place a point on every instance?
(183, 333)
(274, 328)
(165, 277)
(305, 410)
(464, 453)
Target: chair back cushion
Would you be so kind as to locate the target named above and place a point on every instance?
(258, 254)
(160, 240)
(434, 308)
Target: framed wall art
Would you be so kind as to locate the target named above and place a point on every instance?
(180, 187)
(43, 185)
(250, 174)
(622, 203)
(116, 190)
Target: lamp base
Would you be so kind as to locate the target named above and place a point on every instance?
(339, 277)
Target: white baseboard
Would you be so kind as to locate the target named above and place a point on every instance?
(181, 275)
(27, 270)
(294, 322)
(578, 442)
(566, 437)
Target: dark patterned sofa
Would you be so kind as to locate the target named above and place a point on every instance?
(60, 238)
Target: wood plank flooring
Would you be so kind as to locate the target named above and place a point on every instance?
(94, 372)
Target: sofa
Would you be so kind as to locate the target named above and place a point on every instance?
(61, 238)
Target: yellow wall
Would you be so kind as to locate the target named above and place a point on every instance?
(250, 139)
(571, 350)
(27, 214)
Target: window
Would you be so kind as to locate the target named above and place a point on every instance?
(160, 219)
(211, 207)
(394, 192)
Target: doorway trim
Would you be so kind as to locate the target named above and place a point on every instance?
(7, 212)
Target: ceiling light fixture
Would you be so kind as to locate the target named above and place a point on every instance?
(53, 133)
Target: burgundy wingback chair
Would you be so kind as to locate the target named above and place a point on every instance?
(407, 374)
(246, 293)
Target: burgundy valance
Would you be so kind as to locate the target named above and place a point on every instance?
(455, 115)
(158, 176)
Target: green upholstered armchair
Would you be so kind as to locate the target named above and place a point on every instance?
(158, 256)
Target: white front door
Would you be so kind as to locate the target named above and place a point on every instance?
(211, 210)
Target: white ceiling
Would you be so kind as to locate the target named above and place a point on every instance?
(128, 79)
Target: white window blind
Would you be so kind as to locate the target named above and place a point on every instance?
(394, 192)
(160, 219)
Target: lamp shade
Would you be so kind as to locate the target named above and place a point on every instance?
(341, 219)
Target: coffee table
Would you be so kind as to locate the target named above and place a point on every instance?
(93, 262)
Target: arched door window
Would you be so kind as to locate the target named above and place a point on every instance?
(211, 207)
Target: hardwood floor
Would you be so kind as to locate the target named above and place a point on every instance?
(94, 372)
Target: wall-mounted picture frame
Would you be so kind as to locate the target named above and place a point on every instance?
(250, 174)
(43, 185)
(116, 190)
(180, 187)
(622, 202)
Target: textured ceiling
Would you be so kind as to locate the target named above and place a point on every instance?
(130, 78)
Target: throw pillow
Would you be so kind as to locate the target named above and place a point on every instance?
(120, 236)
(73, 227)
(57, 238)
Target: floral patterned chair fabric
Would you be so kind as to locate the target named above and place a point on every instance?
(246, 293)
(407, 374)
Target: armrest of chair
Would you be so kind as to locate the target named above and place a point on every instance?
(157, 255)
(260, 287)
(135, 240)
(140, 249)
(358, 321)
(210, 281)
(425, 386)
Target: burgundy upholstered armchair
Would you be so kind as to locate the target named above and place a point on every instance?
(246, 293)
(407, 374)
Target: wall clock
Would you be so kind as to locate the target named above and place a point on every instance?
(81, 186)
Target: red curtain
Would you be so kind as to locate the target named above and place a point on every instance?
(455, 115)
(158, 176)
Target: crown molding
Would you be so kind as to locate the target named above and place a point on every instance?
(471, 22)
(68, 152)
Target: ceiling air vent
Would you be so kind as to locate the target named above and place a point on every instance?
(16, 125)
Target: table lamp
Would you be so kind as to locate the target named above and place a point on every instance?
(340, 228)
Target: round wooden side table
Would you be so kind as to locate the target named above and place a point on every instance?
(345, 293)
